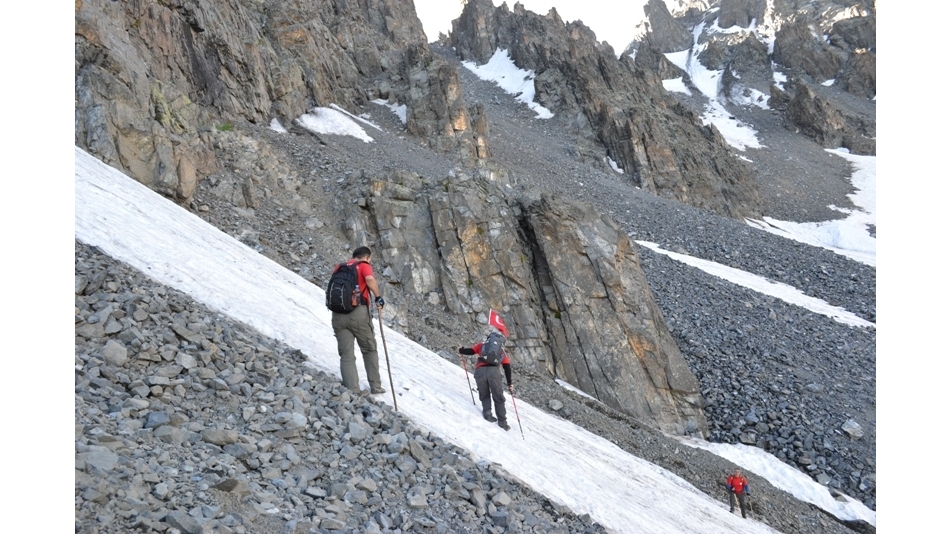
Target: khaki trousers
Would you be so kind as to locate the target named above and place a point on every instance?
(356, 326)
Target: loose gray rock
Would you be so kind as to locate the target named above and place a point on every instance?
(853, 429)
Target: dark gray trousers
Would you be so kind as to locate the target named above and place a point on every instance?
(491, 387)
(733, 497)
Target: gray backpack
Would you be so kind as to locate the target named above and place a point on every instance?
(493, 349)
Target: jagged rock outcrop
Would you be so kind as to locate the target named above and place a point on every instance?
(607, 334)
(796, 46)
(858, 34)
(649, 58)
(747, 68)
(740, 13)
(567, 280)
(436, 111)
(657, 141)
(828, 42)
(666, 33)
(830, 125)
(155, 80)
(831, 42)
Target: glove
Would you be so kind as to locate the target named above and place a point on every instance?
(380, 302)
(747, 491)
(511, 388)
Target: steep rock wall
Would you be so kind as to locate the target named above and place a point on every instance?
(155, 80)
(567, 280)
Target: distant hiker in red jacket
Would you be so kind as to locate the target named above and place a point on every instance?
(491, 354)
(738, 488)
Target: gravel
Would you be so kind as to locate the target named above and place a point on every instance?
(189, 422)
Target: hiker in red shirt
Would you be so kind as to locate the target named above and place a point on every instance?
(357, 325)
(488, 380)
(738, 488)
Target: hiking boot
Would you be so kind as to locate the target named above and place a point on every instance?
(504, 425)
(377, 390)
(489, 417)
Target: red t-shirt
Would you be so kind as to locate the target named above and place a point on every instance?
(737, 483)
(363, 270)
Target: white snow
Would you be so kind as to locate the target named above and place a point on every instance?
(676, 85)
(277, 126)
(778, 77)
(614, 166)
(736, 133)
(849, 236)
(399, 110)
(765, 286)
(795, 482)
(332, 121)
(503, 71)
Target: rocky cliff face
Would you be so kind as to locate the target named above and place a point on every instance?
(667, 33)
(660, 144)
(567, 280)
(154, 80)
(815, 44)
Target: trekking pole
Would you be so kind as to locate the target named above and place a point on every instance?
(465, 366)
(389, 368)
(513, 403)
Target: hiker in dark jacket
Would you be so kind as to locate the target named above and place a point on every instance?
(738, 487)
(488, 380)
(358, 325)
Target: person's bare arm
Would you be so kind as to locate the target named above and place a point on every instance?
(373, 287)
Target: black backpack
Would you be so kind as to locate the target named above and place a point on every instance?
(492, 349)
(343, 290)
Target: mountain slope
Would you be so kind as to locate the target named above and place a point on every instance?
(286, 195)
(755, 340)
(204, 401)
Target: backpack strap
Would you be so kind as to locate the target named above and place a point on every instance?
(356, 266)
